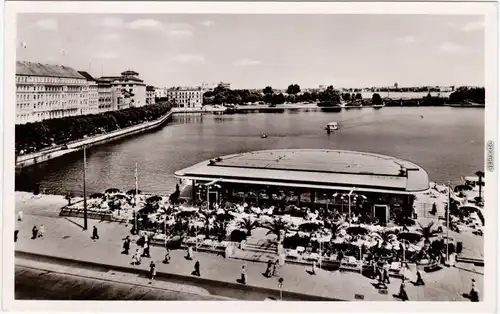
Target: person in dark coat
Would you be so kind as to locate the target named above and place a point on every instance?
(16, 232)
(34, 232)
(269, 267)
(126, 246)
(95, 236)
(402, 291)
(197, 269)
(474, 295)
(152, 270)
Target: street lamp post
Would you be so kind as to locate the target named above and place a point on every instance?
(84, 188)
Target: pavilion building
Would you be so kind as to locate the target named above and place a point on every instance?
(309, 178)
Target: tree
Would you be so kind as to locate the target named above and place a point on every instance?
(346, 97)
(268, 90)
(248, 224)
(376, 99)
(276, 226)
(293, 89)
(278, 99)
(359, 96)
(480, 175)
(427, 231)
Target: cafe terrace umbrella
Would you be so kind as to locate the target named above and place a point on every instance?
(97, 195)
(112, 190)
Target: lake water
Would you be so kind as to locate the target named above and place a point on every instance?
(447, 142)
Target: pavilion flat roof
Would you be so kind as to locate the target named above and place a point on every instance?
(313, 167)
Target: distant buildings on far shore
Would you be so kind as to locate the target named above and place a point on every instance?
(185, 97)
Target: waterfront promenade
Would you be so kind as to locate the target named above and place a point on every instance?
(64, 238)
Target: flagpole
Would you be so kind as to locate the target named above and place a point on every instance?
(84, 189)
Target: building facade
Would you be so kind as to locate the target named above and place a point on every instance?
(128, 90)
(48, 91)
(186, 97)
(161, 92)
(92, 99)
(150, 95)
(105, 95)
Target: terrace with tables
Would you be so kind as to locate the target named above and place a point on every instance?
(359, 226)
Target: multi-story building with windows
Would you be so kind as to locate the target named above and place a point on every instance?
(150, 95)
(48, 91)
(129, 86)
(105, 95)
(161, 92)
(92, 106)
(185, 97)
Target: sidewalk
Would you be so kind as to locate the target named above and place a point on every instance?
(64, 237)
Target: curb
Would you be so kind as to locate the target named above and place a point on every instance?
(209, 284)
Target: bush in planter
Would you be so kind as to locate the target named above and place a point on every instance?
(238, 235)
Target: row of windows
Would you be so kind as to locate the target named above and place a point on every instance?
(40, 79)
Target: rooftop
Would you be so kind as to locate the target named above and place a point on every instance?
(314, 168)
(47, 70)
(87, 76)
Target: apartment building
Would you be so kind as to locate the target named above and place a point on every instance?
(185, 97)
(150, 95)
(46, 91)
(105, 95)
(91, 105)
(128, 90)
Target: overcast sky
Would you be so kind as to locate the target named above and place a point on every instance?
(253, 51)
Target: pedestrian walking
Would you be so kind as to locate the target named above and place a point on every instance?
(269, 267)
(474, 294)
(16, 232)
(402, 291)
(386, 273)
(197, 269)
(189, 253)
(243, 275)
(136, 258)
(145, 252)
(275, 265)
(126, 246)
(20, 215)
(167, 257)
(313, 269)
(420, 281)
(95, 235)
(41, 231)
(152, 270)
(34, 232)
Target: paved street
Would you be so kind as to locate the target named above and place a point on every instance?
(64, 238)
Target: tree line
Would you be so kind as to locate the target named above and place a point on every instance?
(32, 137)
(221, 95)
(472, 94)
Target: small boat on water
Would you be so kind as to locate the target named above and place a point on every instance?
(378, 106)
(332, 126)
(263, 136)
